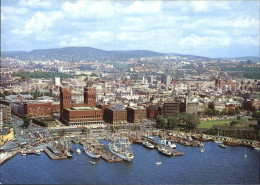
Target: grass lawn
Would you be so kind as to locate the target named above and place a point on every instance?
(51, 123)
(210, 123)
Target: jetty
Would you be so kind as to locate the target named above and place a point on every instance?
(5, 156)
(54, 154)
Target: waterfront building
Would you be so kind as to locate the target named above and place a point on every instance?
(136, 114)
(80, 114)
(115, 115)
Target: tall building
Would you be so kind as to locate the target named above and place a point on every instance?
(65, 99)
(90, 96)
(57, 81)
(168, 80)
(80, 114)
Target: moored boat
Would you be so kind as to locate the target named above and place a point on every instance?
(164, 151)
(222, 145)
(121, 147)
(68, 154)
(202, 150)
(91, 153)
(148, 144)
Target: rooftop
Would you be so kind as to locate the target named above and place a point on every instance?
(83, 108)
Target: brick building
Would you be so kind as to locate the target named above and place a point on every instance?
(81, 114)
(170, 108)
(152, 111)
(38, 109)
(136, 115)
(115, 115)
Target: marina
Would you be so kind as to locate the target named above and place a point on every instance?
(215, 165)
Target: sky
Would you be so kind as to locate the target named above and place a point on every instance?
(205, 28)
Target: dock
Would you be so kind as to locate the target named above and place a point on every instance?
(8, 155)
(54, 156)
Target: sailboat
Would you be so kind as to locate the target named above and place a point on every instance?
(121, 147)
(245, 156)
(202, 150)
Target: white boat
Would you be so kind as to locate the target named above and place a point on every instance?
(92, 162)
(121, 147)
(217, 141)
(78, 151)
(257, 148)
(68, 154)
(222, 145)
(38, 152)
(23, 153)
(158, 163)
(91, 153)
(151, 137)
(164, 151)
(167, 143)
(245, 156)
(202, 150)
(148, 144)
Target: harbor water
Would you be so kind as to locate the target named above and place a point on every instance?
(215, 166)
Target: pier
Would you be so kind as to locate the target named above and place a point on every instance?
(8, 155)
(54, 156)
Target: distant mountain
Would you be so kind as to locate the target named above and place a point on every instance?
(79, 53)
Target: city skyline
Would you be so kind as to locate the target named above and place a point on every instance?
(205, 28)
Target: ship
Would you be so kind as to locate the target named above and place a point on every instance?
(90, 152)
(121, 147)
(167, 143)
(148, 144)
(164, 151)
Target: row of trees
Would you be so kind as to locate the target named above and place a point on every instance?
(188, 121)
(229, 111)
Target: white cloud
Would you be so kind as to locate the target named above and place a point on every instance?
(205, 41)
(200, 6)
(35, 3)
(144, 7)
(248, 40)
(90, 9)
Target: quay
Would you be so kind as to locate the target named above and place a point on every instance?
(54, 156)
(8, 155)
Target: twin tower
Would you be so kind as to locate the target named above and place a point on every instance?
(65, 98)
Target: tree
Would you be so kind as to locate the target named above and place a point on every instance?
(161, 122)
(172, 121)
(231, 111)
(26, 121)
(83, 130)
(208, 112)
(224, 112)
(191, 121)
(256, 115)
(237, 110)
